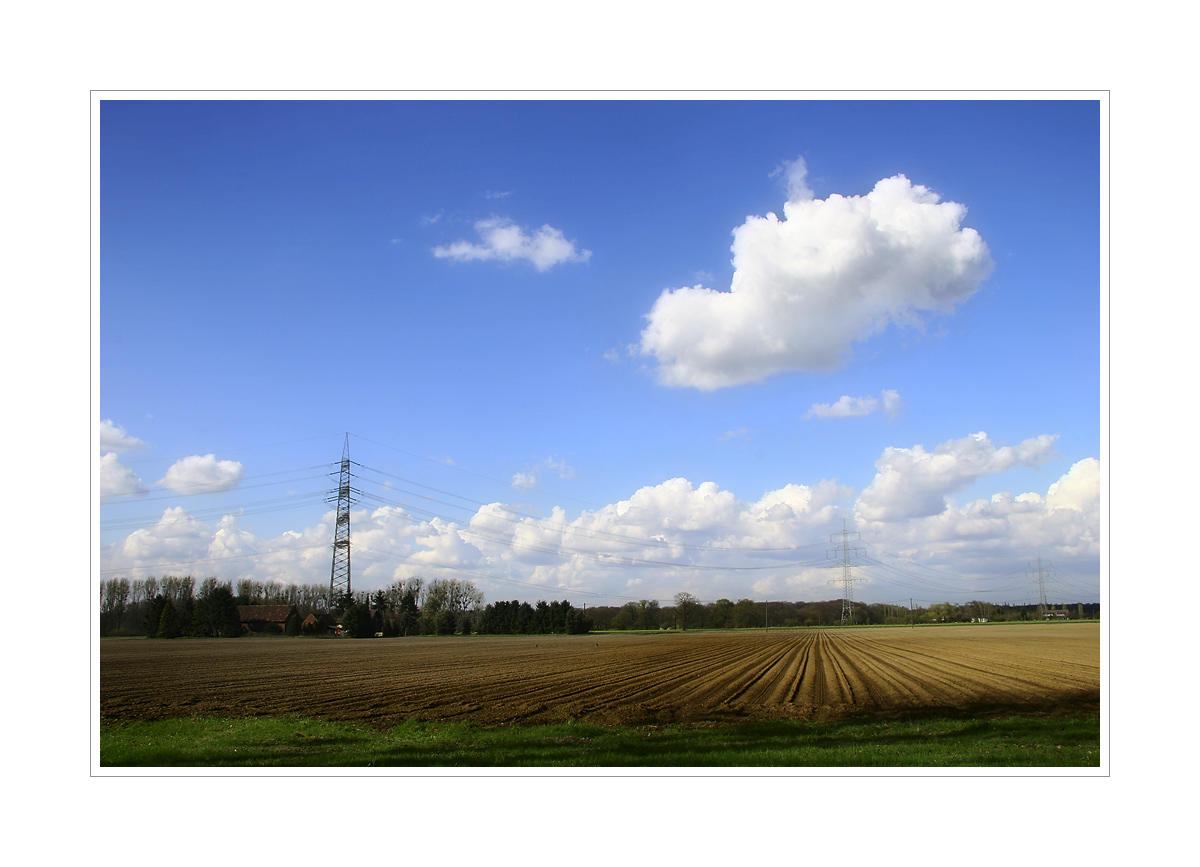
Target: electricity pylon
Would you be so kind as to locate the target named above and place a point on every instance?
(339, 574)
(847, 580)
(1042, 575)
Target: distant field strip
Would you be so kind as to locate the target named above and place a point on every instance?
(610, 679)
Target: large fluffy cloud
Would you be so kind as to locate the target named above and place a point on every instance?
(831, 272)
(505, 241)
(202, 474)
(914, 483)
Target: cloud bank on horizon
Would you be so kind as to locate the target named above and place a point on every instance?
(664, 537)
(832, 272)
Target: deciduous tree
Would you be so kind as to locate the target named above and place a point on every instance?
(687, 607)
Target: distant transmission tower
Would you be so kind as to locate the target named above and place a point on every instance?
(339, 575)
(1042, 575)
(846, 549)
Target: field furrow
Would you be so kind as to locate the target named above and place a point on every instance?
(606, 678)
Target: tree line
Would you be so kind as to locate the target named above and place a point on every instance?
(173, 607)
(689, 612)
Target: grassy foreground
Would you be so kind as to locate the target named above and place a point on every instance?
(1033, 741)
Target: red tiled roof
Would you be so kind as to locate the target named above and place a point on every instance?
(265, 613)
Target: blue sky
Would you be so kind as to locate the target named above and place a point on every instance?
(530, 312)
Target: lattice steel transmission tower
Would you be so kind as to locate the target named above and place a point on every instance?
(339, 574)
(848, 579)
(1042, 575)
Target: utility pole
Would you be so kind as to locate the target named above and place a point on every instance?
(1042, 575)
(847, 580)
(339, 573)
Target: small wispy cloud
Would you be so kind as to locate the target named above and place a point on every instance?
(795, 172)
(528, 479)
(620, 352)
(740, 433)
(561, 467)
(496, 194)
(505, 241)
(846, 406)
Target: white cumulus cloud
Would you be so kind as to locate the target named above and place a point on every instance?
(1079, 489)
(506, 241)
(113, 438)
(176, 537)
(197, 474)
(846, 406)
(1063, 525)
(833, 271)
(914, 483)
(116, 479)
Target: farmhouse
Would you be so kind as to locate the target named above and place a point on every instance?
(265, 618)
(327, 624)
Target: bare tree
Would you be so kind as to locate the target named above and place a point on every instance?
(687, 607)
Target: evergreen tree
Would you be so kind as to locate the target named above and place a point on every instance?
(168, 621)
(357, 621)
(154, 609)
(215, 614)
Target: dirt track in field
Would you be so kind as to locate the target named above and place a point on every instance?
(609, 679)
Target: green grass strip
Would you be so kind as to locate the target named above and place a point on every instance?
(1018, 741)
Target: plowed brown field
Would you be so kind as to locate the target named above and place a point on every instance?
(611, 679)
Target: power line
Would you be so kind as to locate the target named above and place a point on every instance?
(193, 562)
(546, 522)
(199, 490)
(275, 504)
(176, 458)
(458, 469)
